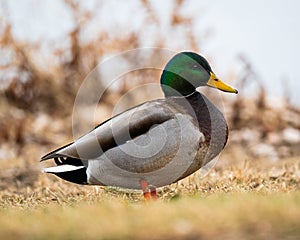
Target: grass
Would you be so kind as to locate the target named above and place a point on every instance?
(248, 200)
(220, 216)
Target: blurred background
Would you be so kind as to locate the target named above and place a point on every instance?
(47, 49)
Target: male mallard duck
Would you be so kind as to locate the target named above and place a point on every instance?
(153, 144)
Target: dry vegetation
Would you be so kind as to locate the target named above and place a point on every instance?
(251, 193)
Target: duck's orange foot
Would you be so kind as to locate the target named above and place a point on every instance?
(148, 191)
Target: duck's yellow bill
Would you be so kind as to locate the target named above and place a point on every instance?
(217, 83)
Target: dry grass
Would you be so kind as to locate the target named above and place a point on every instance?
(249, 200)
(246, 216)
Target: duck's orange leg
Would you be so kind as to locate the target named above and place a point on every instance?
(149, 192)
(153, 193)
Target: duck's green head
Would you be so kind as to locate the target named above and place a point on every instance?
(185, 72)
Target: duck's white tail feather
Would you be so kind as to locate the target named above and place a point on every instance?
(62, 168)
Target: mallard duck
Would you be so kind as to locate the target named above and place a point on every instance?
(153, 144)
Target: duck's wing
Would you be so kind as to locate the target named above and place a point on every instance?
(115, 131)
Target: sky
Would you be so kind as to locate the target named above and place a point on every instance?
(266, 32)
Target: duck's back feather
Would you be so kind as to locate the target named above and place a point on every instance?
(116, 131)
